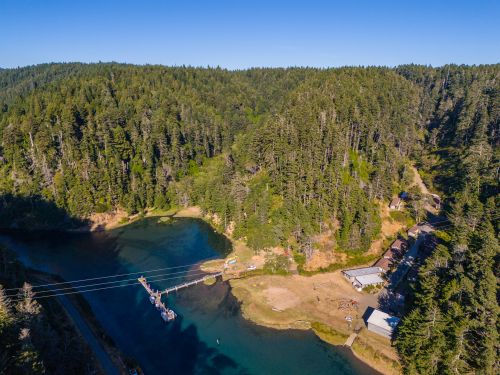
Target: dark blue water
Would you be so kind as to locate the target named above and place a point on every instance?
(206, 313)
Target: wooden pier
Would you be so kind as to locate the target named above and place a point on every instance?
(146, 286)
(155, 295)
(189, 283)
(351, 339)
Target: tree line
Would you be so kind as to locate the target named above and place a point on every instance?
(452, 323)
(279, 155)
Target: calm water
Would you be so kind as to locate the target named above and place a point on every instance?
(206, 313)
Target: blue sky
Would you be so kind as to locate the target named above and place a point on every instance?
(240, 34)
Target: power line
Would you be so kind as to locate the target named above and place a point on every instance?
(136, 273)
(96, 289)
(108, 282)
(119, 275)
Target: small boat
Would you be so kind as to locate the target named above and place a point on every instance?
(151, 299)
(168, 315)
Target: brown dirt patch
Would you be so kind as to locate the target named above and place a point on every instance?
(107, 220)
(320, 259)
(192, 211)
(281, 298)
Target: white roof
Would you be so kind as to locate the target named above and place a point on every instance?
(363, 271)
(383, 320)
(369, 279)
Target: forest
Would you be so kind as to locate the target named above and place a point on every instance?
(279, 155)
(36, 338)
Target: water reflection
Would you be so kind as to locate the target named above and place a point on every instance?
(209, 337)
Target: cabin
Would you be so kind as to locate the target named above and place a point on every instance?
(390, 254)
(384, 263)
(397, 249)
(425, 228)
(436, 201)
(399, 245)
(381, 323)
(414, 231)
(395, 204)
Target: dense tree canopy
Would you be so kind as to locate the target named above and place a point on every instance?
(452, 324)
(278, 155)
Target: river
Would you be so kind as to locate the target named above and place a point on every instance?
(209, 336)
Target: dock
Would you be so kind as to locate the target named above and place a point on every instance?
(146, 286)
(155, 295)
(351, 339)
(189, 283)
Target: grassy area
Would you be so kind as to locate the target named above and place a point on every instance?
(402, 217)
(328, 334)
(210, 281)
(355, 259)
(369, 353)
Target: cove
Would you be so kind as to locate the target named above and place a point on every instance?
(206, 313)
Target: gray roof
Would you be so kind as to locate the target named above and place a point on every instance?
(426, 228)
(383, 320)
(362, 271)
(369, 279)
(414, 229)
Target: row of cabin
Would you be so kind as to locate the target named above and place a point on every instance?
(392, 255)
(363, 277)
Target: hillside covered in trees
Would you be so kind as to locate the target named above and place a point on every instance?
(452, 325)
(279, 155)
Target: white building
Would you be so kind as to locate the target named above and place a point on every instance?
(382, 323)
(362, 277)
(361, 282)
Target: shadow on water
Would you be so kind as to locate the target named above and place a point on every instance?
(210, 335)
(34, 212)
(190, 355)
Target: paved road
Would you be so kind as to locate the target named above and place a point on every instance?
(101, 355)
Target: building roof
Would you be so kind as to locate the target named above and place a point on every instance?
(383, 320)
(414, 229)
(383, 263)
(395, 201)
(426, 228)
(390, 253)
(398, 244)
(369, 279)
(362, 271)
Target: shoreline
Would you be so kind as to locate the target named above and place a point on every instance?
(251, 307)
(119, 218)
(258, 307)
(71, 314)
(84, 312)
